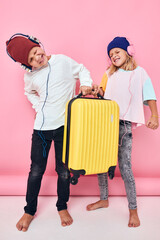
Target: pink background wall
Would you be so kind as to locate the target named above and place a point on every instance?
(81, 30)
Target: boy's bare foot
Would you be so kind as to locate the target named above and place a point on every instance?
(99, 204)
(133, 218)
(65, 217)
(24, 222)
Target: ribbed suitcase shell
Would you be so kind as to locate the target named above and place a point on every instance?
(91, 135)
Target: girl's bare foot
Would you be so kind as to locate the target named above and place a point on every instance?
(99, 204)
(133, 218)
(65, 217)
(24, 222)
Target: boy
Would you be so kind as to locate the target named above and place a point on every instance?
(49, 85)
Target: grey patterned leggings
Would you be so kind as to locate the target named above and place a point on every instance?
(124, 160)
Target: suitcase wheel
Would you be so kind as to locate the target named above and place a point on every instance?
(111, 172)
(76, 175)
(74, 180)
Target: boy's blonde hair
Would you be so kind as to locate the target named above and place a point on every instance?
(129, 65)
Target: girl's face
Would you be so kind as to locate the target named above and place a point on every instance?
(37, 57)
(118, 57)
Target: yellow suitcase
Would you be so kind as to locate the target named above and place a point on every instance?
(91, 132)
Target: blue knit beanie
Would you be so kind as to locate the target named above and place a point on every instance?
(118, 42)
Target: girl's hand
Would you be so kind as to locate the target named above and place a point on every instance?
(153, 122)
(96, 90)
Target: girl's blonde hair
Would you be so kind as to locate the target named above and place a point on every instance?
(129, 65)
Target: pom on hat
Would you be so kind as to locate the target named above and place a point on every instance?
(19, 48)
(118, 42)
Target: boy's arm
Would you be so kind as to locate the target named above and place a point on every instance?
(33, 98)
(31, 95)
(153, 122)
(82, 73)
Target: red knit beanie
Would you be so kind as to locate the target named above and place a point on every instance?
(19, 48)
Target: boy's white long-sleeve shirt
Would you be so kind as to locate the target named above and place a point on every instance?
(49, 99)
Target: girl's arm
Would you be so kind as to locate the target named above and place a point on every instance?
(102, 87)
(153, 122)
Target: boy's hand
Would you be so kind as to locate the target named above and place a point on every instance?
(85, 90)
(96, 90)
(153, 122)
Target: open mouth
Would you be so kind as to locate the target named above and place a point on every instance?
(116, 60)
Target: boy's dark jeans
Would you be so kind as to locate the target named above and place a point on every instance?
(38, 166)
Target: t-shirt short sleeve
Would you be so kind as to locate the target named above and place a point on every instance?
(148, 91)
(104, 80)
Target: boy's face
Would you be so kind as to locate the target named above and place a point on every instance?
(37, 57)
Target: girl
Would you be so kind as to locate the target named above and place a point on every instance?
(130, 86)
